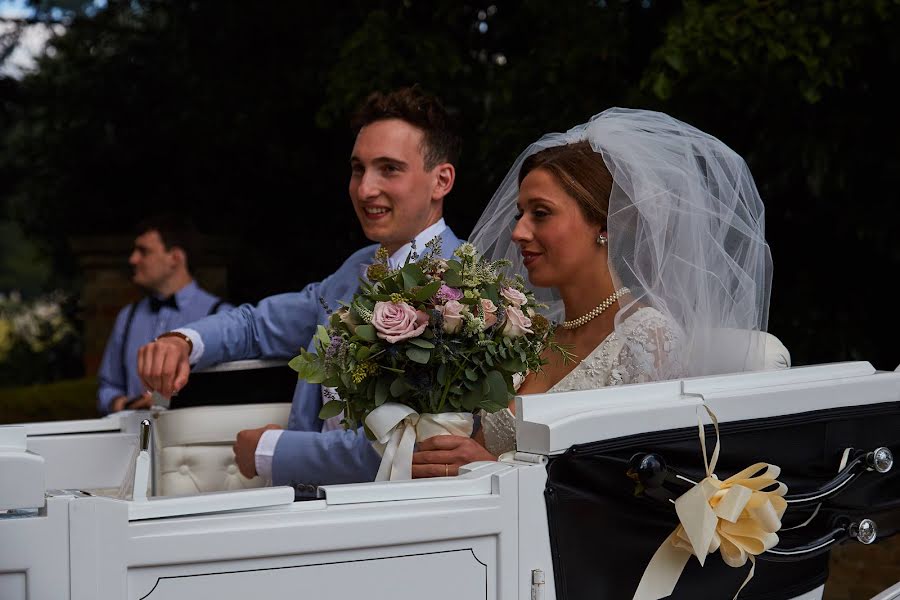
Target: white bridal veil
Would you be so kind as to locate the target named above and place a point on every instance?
(686, 233)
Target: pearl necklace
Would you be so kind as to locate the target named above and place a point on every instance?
(596, 311)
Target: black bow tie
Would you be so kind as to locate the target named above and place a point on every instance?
(156, 303)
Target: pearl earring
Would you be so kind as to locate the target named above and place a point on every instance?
(601, 239)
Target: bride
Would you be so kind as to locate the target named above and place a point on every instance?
(645, 237)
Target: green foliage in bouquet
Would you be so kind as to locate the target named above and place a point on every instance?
(436, 335)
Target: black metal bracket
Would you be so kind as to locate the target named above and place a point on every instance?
(656, 479)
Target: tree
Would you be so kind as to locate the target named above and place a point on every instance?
(238, 114)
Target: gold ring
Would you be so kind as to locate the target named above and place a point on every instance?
(446, 470)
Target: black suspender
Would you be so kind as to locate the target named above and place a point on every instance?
(125, 343)
(127, 332)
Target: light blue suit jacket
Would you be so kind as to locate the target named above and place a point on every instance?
(277, 327)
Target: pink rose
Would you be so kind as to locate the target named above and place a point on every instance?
(452, 312)
(397, 322)
(517, 324)
(488, 312)
(514, 296)
(446, 293)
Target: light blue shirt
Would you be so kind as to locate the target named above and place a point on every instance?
(121, 379)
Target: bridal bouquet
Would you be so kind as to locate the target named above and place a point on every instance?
(421, 348)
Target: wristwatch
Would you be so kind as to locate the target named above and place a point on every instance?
(177, 334)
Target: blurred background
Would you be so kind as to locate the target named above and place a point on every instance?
(236, 113)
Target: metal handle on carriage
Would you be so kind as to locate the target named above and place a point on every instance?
(863, 531)
(663, 482)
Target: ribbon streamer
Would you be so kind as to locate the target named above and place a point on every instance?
(739, 517)
(398, 427)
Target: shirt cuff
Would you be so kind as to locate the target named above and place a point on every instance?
(196, 343)
(265, 449)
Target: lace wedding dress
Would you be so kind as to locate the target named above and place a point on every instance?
(641, 349)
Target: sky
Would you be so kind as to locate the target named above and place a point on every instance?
(31, 42)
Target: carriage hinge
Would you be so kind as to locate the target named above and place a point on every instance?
(528, 457)
(537, 584)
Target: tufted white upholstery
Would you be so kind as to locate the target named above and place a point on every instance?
(193, 446)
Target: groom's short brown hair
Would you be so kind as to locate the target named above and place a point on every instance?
(441, 141)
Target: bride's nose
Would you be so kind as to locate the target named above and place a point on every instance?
(521, 233)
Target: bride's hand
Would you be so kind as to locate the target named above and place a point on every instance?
(443, 455)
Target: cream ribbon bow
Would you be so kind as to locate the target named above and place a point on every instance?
(398, 427)
(739, 517)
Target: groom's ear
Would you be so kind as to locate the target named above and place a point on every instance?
(445, 176)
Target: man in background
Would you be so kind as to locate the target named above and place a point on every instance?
(160, 263)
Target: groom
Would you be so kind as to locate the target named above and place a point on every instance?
(401, 169)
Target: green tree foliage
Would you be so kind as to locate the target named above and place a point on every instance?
(237, 113)
(804, 91)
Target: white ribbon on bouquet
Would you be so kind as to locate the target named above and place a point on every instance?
(398, 427)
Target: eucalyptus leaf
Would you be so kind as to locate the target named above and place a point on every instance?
(492, 293)
(442, 374)
(308, 368)
(382, 389)
(298, 361)
(452, 279)
(513, 365)
(419, 355)
(471, 399)
(332, 408)
(496, 392)
(428, 291)
(399, 387)
(366, 332)
(409, 281)
(421, 343)
(412, 272)
(322, 336)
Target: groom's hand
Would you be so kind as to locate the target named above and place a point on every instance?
(443, 455)
(163, 365)
(245, 449)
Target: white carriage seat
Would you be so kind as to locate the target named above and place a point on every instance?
(776, 355)
(194, 446)
(730, 346)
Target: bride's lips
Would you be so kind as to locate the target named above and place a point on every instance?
(529, 257)
(375, 213)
